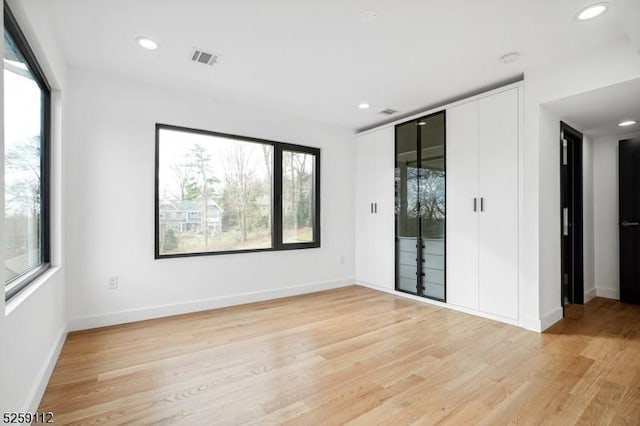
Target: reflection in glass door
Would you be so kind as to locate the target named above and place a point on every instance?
(420, 207)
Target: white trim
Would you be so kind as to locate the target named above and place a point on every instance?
(551, 318)
(521, 223)
(24, 294)
(122, 317)
(518, 84)
(444, 305)
(532, 324)
(589, 294)
(40, 385)
(608, 293)
(383, 289)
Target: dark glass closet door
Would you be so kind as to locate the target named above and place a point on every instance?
(420, 206)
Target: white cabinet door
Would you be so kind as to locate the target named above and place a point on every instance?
(384, 199)
(498, 183)
(375, 197)
(365, 266)
(462, 220)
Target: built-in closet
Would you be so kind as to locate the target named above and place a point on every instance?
(438, 205)
(482, 200)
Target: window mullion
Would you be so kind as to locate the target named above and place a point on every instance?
(277, 198)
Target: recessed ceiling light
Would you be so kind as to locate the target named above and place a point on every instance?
(510, 58)
(421, 123)
(364, 105)
(627, 123)
(592, 11)
(368, 15)
(147, 43)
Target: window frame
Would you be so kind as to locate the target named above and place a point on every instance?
(277, 171)
(277, 243)
(17, 284)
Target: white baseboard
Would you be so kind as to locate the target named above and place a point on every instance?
(589, 294)
(550, 318)
(443, 305)
(375, 287)
(122, 317)
(608, 293)
(532, 324)
(45, 373)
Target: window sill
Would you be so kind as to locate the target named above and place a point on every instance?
(31, 288)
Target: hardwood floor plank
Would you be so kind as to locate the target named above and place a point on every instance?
(351, 356)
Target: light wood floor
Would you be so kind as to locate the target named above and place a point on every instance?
(352, 355)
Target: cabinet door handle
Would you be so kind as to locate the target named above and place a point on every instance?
(371, 208)
(481, 204)
(626, 224)
(475, 204)
(375, 208)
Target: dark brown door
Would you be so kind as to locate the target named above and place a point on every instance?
(629, 184)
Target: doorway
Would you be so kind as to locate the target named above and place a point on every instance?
(571, 215)
(629, 223)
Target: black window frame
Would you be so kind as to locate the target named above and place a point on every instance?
(20, 282)
(277, 243)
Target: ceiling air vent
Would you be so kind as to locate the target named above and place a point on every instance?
(202, 57)
(388, 111)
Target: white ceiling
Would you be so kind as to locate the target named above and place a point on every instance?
(598, 112)
(318, 59)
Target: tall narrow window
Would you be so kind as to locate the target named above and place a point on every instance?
(218, 193)
(26, 133)
(298, 197)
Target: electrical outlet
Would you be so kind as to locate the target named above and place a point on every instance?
(112, 282)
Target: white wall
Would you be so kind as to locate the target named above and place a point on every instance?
(549, 125)
(588, 239)
(33, 323)
(607, 249)
(540, 263)
(110, 189)
(605, 174)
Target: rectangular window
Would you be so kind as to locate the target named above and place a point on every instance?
(298, 197)
(26, 161)
(218, 193)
